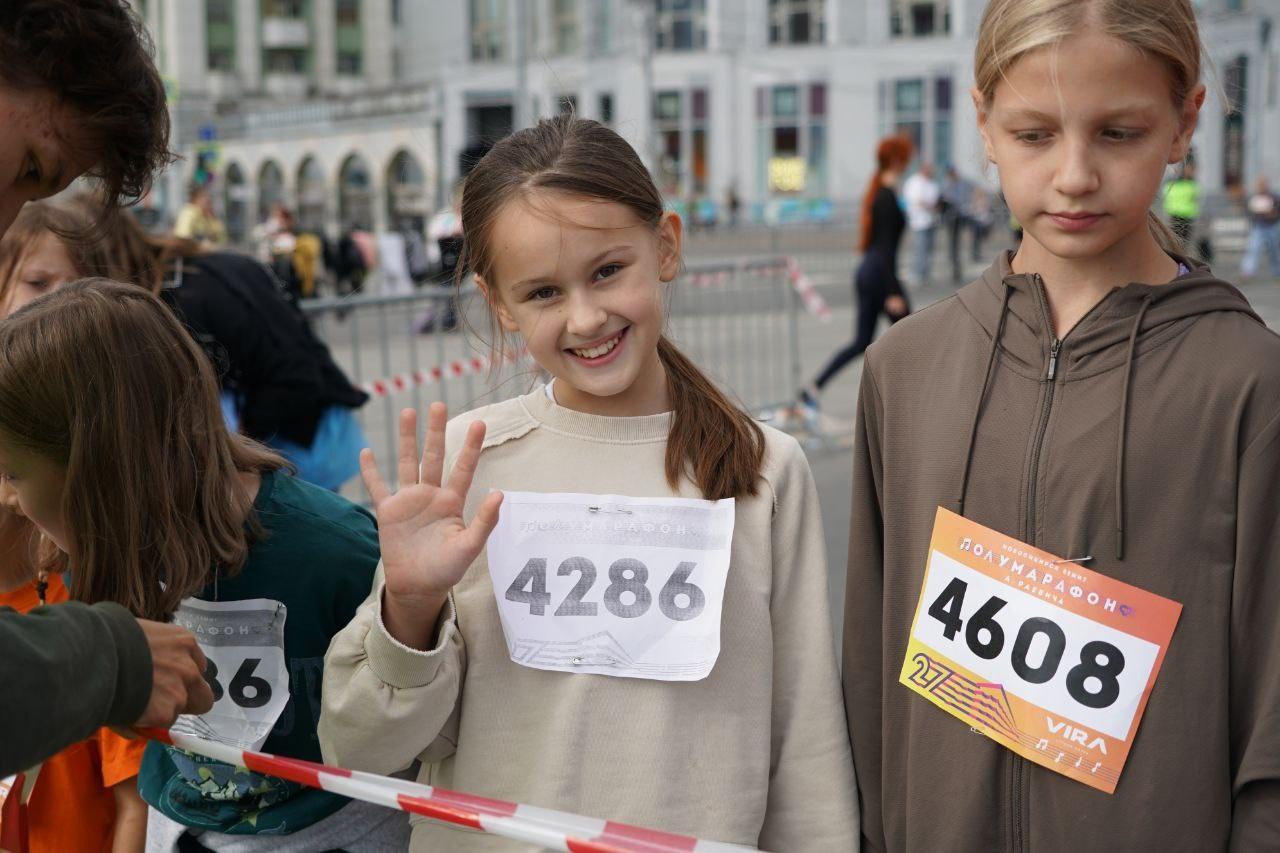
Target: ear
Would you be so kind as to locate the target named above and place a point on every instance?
(980, 107)
(497, 306)
(670, 239)
(1188, 119)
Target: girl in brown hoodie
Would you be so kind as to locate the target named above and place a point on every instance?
(1101, 397)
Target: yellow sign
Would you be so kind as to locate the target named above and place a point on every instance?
(787, 174)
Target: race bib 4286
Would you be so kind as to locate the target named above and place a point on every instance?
(612, 585)
(1052, 660)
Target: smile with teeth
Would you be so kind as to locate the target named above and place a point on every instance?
(599, 350)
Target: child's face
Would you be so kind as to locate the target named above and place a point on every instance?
(44, 267)
(581, 281)
(32, 486)
(1081, 137)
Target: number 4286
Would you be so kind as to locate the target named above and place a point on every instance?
(679, 600)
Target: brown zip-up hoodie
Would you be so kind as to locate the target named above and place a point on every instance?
(1147, 438)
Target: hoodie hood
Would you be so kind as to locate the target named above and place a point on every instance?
(1100, 341)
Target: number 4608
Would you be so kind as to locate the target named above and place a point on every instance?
(1100, 662)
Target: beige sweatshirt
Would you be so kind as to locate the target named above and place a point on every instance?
(756, 753)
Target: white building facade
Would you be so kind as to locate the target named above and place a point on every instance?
(297, 102)
(781, 101)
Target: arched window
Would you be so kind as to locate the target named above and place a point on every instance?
(355, 194)
(406, 192)
(270, 188)
(236, 203)
(313, 196)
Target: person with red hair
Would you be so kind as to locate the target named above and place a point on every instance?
(876, 286)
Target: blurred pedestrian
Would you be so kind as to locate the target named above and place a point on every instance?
(957, 193)
(876, 287)
(922, 197)
(1182, 205)
(732, 205)
(1264, 230)
(198, 222)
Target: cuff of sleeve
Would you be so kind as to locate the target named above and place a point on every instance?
(398, 665)
(133, 664)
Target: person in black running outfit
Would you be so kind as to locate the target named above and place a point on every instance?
(875, 284)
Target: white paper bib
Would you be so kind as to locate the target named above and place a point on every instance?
(244, 643)
(611, 585)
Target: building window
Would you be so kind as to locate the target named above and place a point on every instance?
(488, 30)
(347, 13)
(600, 21)
(606, 108)
(680, 24)
(349, 37)
(284, 60)
(1234, 83)
(564, 26)
(284, 8)
(791, 140)
(681, 120)
(920, 109)
(919, 18)
(220, 35)
(796, 21)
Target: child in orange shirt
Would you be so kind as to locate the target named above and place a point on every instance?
(86, 797)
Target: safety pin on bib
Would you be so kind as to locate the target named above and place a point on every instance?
(618, 509)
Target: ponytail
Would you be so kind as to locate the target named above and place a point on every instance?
(1169, 242)
(868, 202)
(718, 445)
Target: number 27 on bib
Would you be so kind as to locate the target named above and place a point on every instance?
(1053, 660)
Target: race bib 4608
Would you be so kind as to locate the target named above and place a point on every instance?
(612, 585)
(1050, 659)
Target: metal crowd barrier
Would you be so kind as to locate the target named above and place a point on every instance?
(740, 321)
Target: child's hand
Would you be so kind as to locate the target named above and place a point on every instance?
(426, 546)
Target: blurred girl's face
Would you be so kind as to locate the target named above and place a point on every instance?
(45, 266)
(32, 487)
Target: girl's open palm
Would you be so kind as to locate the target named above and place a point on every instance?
(426, 544)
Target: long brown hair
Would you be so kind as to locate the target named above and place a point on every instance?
(712, 441)
(101, 378)
(893, 153)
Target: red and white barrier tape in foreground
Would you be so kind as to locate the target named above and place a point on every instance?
(544, 827)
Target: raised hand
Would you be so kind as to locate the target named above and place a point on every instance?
(426, 545)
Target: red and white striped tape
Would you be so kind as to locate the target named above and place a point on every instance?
(809, 295)
(547, 828)
(431, 375)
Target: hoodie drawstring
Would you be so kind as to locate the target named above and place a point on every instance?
(1124, 419)
(982, 395)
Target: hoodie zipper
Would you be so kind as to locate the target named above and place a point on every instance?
(1017, 774)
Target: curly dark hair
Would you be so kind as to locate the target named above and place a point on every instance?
(95, 57)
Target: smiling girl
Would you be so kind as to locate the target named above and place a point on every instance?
(644, 638)
(1100, 397)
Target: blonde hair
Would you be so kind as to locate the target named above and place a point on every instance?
(1165, 30)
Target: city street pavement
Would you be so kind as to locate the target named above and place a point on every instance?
(832, 464)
